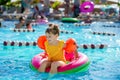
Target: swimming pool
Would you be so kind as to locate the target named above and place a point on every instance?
(105, 63)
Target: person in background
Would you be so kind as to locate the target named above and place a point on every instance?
(28, 26)
(25, 6)
(88, 18)
(76, 8)
(38, 9)
(46, 7)
(41, 18)
(67, 7)
(21, 23)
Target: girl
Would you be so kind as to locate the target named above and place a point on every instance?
(54, 50)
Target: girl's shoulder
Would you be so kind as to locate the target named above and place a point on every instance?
(61, 41)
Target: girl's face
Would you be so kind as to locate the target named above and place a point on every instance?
(51, 38)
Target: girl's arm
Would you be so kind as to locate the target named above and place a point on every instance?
(76, 54)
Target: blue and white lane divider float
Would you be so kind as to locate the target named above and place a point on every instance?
(33, 30)
(93, 46)
(18, 43)
(111, 26)
(103, 33)
(82, 24)
(23, 30)
(82, 46)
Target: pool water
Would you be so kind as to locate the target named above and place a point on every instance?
(105, 63)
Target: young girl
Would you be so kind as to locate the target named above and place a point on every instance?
(54, 50)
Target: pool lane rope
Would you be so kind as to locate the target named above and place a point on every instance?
(93, 46)
(33, 30)
(82, 24)
(18, 43)
(66, 32)
(103, 33)
(82, 46)
(23, 30)
(112, 26)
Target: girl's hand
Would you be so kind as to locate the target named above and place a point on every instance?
(76, 54)
(43, 55)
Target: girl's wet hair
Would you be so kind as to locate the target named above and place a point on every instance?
(53, 28)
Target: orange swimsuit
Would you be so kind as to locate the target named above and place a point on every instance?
(55, 52)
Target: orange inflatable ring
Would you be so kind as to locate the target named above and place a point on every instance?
(71, 46)
(40, 42)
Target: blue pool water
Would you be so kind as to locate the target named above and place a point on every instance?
(105, 63)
